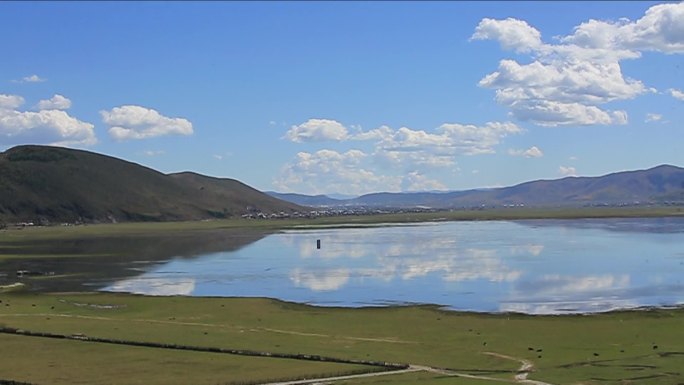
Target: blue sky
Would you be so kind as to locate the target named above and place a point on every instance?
(356, 97)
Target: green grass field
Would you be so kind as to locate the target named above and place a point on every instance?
(50, 361)
(631, 347)
(135, 229)
(641, 347)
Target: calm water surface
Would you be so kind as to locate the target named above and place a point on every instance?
(537, 267)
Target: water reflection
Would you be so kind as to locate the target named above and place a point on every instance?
(96, 262)
(534, 267)
(327, 280)
(156, 286)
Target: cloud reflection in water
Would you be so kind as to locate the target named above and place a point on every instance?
(155, 286)
(542, 267)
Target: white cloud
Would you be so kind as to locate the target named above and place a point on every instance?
(327, 171)
(57, 102)
(661, 29)
(653, 118)
(553, 113)
(532, 152)
(409, 154)
(469, 139)
(154, 152)
(567, 171)
(677, 94)
(52, 126)
(414, 181)
(317, 130)
(418, 148)
(511, 33)
(9, 102)
(30, 79)
(566, 83)
(135, 122)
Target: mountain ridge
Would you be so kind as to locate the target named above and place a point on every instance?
(659, 184)
(56, 184)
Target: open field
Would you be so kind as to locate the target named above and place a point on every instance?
(644, 347)
(442, 347)
(52, 361)
(139, 229)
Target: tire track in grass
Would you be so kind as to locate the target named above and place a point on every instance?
(222, 326)
(524, 371)
(392, 368)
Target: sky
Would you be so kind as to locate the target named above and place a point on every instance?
(350, 97)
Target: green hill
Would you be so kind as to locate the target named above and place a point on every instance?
(39, 183)
(661, 184)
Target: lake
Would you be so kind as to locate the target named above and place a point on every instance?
(533, 266)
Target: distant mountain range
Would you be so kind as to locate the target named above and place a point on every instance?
(65, 185)
(53, 184)
(659, 184)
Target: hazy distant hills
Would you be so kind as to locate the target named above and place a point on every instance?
(39, 183)
(308, 200)
(65, 185)
(659, 184)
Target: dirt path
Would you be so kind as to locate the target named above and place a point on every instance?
(411, 369)
(520, 378)
(526, 367)
(326, 380)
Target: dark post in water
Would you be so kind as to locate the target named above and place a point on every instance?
(318, 244)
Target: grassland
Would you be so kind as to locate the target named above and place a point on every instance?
(631, 347)
(644, 347)
(136, 229)
(72, 362)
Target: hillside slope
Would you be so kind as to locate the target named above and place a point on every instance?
(66, 185)
(306, 200)
(658, 184)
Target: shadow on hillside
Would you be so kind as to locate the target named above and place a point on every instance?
(94, 263)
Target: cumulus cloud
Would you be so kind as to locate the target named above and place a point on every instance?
(30, 79)
(419, 148)
(410, 154)
(567, 83)
(9, 102)
(154, 152)
(57, 102)
(328, 171)
(511, 33)
(135, 122)
(317, 130)
(661, 29)
(50, 126)
(532, 152)
(414, 181)
(567, 171)
(653, 118)
(677, 94)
